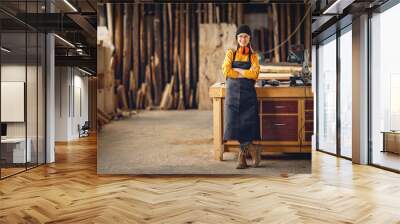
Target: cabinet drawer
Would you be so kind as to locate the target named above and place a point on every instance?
(308, 136)
(281, 106)
(309, 126)
(309, 115)
(309, 104)
(280, 128)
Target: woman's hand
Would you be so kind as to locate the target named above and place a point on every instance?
(241, 72)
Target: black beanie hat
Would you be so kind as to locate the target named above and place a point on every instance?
(243, 29)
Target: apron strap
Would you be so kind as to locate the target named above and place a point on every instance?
(234, 56)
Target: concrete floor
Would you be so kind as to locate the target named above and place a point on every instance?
(175, 142)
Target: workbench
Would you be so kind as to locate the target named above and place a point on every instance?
(286, 119)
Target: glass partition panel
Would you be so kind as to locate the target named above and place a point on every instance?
(346, 94)
(385, 89)
(15, 151)
(327, 96)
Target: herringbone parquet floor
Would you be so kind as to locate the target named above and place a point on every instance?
(69, 191)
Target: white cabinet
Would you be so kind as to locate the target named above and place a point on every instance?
(17, 146)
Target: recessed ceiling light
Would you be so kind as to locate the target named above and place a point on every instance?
(84, 71)
(5, 50)
(70, 5)
(64, 40)
(338, 6)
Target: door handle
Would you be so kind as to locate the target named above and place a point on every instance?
(279, 124)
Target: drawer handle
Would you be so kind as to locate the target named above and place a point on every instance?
(278, 124)
(280, 107)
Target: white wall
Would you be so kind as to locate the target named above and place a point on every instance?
(17, 72)
(71, 94)
(62, 81)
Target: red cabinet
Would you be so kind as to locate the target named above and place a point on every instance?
(287, 121)
(281, 106)
(280, 128)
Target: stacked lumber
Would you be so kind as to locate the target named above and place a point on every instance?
(279, 71)
(155, 61)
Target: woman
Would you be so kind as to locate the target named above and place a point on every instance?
(241, 121)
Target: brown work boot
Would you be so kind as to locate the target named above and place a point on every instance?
(241, 160)
(255, 155)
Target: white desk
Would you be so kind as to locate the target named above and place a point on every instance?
(18, 149)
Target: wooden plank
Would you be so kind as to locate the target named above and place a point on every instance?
(150, 38)
(194, 56)
(149, 100)
(143, 54)
(157, 55)
(127, 46)
(167, 98)
(181, 102)
(187, 56)
(154, 80)
(203, 11)
(297, 19)
(240, 13)
(132, 87)
(276, 32)
(282, 31)
(234, 13)
(110, 21)
(277, 76)
(229, 13)
(150, 54)
(289, 24)
(175, 59)
(273, 68)
(121, 93)
(223, 13)
(165, 28)
(171, 41)
(135, 78)
(307, 33)
(270, 33)
(210, 13)
(118, 41)
(217, 14)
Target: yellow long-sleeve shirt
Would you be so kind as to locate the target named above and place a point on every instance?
(251, 73)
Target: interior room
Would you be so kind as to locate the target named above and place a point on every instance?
(22, 97)
(42, 77)
(52, 83)
(169, 87)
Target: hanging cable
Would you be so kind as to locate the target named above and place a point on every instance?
(290, 36)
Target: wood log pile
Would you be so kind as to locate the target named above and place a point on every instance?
(156, 51)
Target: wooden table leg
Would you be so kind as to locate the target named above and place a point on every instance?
(218, 128)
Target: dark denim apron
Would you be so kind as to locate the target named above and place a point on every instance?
(241, 119)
